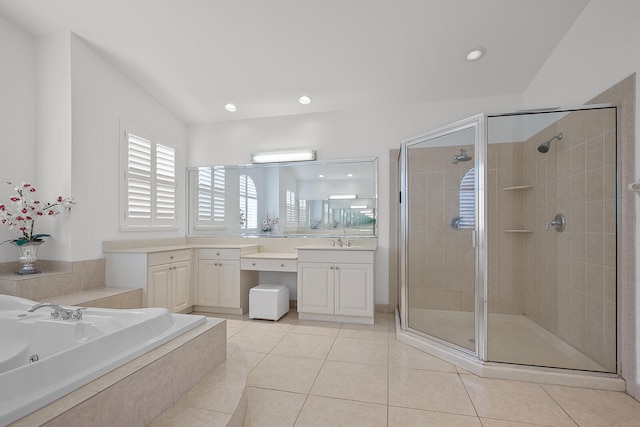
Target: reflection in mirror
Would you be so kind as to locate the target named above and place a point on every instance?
(284, 199)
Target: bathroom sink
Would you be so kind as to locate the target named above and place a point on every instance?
(328, 247)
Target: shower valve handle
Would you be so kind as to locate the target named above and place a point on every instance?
(558, 223)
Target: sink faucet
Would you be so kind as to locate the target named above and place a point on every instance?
(340, 242)
(58, 312)
(349, 242)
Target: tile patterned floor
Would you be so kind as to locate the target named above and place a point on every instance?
(307, 373)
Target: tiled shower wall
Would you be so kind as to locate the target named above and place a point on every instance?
(441, 258)
(569, 278)
(506, 231)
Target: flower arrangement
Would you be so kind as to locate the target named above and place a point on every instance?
(269, 223)
(25, 209)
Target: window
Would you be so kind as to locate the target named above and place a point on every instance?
(248, 202)
(303, 213)
(468, 200)
(149, 181)
(210, 197)
(290, 201)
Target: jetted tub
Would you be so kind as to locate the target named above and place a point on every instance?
(71, 353)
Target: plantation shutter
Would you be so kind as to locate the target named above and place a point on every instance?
(211, 196)
(302, 214)
(468, 200)
(165, 185)
(138, 178)
(290, 209)
(249, 202)
(149, 181)
(218, 194)
(205, 198)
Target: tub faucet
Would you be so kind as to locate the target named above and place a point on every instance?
(57, 312)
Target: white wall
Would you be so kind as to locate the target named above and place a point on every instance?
(600, 49)
(339, 135)
(60, 114)
(54, 139)
(17, 115)
(101, 96)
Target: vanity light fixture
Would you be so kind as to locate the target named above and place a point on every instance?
(230, 108)
(304, 100)
(283, 156)
(476, 54)
(358, 206)
(343, 196)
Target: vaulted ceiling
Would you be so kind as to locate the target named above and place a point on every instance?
(195, 56)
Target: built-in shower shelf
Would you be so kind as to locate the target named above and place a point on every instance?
(518, 188)
(518, 231)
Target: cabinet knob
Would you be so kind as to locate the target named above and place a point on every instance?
(217, 253)
(171, 257)
(281, 265)
(331, 268)
(336, 267)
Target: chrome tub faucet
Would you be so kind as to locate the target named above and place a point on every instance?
(59, 313)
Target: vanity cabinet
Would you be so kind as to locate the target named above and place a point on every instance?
(169, 280)
(336, 284)
(163, 274)
(222, 286)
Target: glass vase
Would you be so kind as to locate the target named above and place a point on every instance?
(28, 257)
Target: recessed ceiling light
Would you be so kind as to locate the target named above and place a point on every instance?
(304, 100)
(230, 107)
(320, 176)
(349, 175)
(476, 54)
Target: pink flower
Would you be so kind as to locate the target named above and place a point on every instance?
(39, 213)
(24, 210)
(15, 199)
(2, 207)
(50, 213)
(59, 199)
(19, 218)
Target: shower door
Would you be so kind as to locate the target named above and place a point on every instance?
(441, 214)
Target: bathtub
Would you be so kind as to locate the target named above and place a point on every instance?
(71, 353)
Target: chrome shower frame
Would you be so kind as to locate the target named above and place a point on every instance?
(478, 123)
(474, 361)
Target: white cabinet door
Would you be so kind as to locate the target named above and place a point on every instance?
(229, 284)
(316, 287)
(354, 289)
(181, 285)
(208, 282)
(159, 287)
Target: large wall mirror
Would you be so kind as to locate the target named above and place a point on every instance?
(321, 198)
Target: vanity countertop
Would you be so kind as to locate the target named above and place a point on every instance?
(152, 249)
(336, 248)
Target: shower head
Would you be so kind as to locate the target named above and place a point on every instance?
(544, 147)
(462, 157)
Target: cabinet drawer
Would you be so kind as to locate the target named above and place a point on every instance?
(157, 258)
(232, 254)
(289, 265)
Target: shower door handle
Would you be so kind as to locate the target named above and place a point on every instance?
(558, 223)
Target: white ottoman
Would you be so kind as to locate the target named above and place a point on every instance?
(268, 301)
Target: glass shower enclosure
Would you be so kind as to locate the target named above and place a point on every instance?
(508, 238)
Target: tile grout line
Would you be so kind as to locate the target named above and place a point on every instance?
(316, 378)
